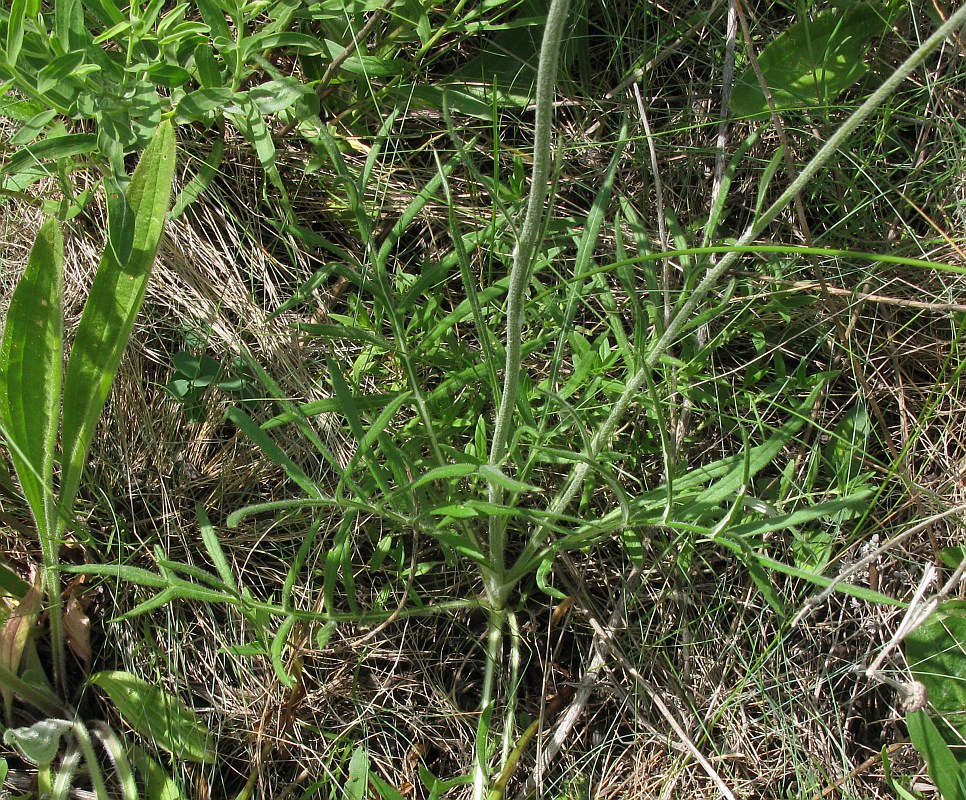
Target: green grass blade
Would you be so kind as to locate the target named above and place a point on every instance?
(30, 364)
(113, 305)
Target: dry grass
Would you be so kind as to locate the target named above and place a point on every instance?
(779, 711)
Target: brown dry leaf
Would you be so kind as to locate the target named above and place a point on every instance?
(15, 633)
(77, 628)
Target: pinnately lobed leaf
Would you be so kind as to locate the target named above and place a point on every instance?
(30, 372)
(113, 304)
(157, 715)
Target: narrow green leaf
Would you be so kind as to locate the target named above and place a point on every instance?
(59, 70)
(32, 128)
(69, 25)
(152, 603)
(117, 753)
(272, 450)
(750, 463)
(157, 715)
(444, 473)
(30, 377)
(207, 172)
(11, 583)
(135, 575)
(500, 478)
(158, 785)
(209, 75)
(18, 11)
(213, 546)
(279, 641)
(214, 17)
(113, 305)
(39, 697)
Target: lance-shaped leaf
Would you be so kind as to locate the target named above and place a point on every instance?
(159, 716)
(30, 370)
(137, 221)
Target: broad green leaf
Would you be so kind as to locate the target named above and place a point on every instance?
(39, 743)
(936, 653)
(201, 104)
(30, 373)
(112, 307)
(274, 97)
(812, 62)
(162, 718)
(948, 772)
(952, 557)
(168, 75)
(355, 787)
(18, 109)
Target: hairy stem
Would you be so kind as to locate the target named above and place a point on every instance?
(526, 246)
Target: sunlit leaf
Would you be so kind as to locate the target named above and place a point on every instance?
(112, 306)
(812, 62)
(162, 718)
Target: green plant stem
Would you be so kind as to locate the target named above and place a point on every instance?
(526, 245)
(50, 550)
(494, 646)
(93, 767)
(685, 310)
